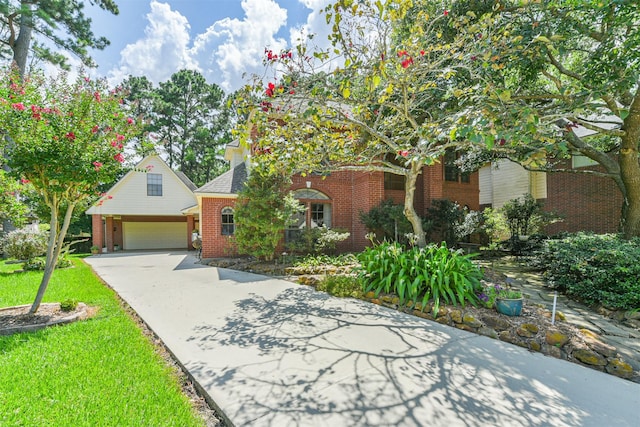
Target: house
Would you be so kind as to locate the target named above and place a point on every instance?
(160, 208)
(584, 202)
(334, 200)
(151, 207)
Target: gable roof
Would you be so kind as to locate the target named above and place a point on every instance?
(230, 182)
(129, 196)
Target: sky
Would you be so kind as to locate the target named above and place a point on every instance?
(222, 39)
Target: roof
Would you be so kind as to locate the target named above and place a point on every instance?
(230, 182)
(186, 180)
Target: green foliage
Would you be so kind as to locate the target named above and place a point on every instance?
(341, 286)
(191, 117)
(319, 260)
(387, 220)
(39, 263)
(420, 274)
(524, 217)
(318, 240)
(69, 304)
(67, 140)
(263, 210)
(495, 227)
(450, 222)
(12, 207)
(490, 293)
(58, 26)
(595, 269)
(24, 244)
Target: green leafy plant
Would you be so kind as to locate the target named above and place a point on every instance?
(596, 269)
(434, 273)
(322, 259)
(341, 286)
(318, 240)
(69, 305)
(490, 293)
(387, 221)
(24, 244)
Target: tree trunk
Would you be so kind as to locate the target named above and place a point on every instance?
(630, 170)
(56, 240)
(409, 209)
(23, 41)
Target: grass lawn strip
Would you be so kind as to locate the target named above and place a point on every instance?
(98, 372)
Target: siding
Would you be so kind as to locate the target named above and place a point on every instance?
(129, 195)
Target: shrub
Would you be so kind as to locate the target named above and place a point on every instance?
(433, 273)
(318, 260)
(596, 269)
(388, 221)
(451, 222)
(341, 286)
(68, 305)
(317, 240)
(38, 263)
(25, 244)
(524, 217)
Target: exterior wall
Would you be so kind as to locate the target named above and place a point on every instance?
(129, 195)
(586, 202)
(97, 231)
(214, 244)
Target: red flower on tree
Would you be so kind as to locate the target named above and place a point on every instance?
(70, 136)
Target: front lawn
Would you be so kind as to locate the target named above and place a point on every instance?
(98, 372)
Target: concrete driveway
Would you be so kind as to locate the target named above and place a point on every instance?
(273, 353)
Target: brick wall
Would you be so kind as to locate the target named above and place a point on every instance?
(586, 202)
(214, 244)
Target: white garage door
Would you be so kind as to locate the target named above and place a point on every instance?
(154, 235)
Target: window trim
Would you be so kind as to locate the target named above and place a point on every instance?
(227, 212)
(153, 187)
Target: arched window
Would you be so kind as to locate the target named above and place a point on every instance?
(228, 226)
(317, 212)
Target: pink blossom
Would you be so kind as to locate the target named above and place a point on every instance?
(149, 167)
(97, 165)
(119, 157)
(96, 95)
(129, 120)
(18, 106)
(24, 180)
(95, 129)
(119, 137)
(70, 136)
(403, 153)
(446, 13)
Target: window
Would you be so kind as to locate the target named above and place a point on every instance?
(228, 227)
(317, 213)
(452, 172)
(393, 181)
(154, 184)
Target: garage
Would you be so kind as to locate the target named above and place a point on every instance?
(154, 235)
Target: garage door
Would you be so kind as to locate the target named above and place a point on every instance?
(154, 235)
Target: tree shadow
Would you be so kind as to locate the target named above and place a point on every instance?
(305, 358)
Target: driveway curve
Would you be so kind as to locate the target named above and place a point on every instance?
(273, 353)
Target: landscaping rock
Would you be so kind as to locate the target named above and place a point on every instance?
(589, 357)
(487, 332)
(620, 369)
(470, 320)
(555, 337)
(456, 316)
(495, 321)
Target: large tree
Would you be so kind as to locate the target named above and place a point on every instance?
(386, 108)
(66, 139)
(192, 121)
(55, 25)
(562, 77)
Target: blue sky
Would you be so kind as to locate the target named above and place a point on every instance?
(223, 39)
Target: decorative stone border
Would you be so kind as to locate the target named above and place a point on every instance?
(80, 313)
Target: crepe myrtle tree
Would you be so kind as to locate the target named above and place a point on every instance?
(561, 77)
(65, 139)
(385, 108)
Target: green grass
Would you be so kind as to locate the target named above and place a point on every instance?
(98, 372)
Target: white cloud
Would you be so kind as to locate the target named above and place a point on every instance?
(233, 47)
(316, 25)
(163, 51)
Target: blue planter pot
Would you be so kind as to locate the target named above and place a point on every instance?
(510, 307)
